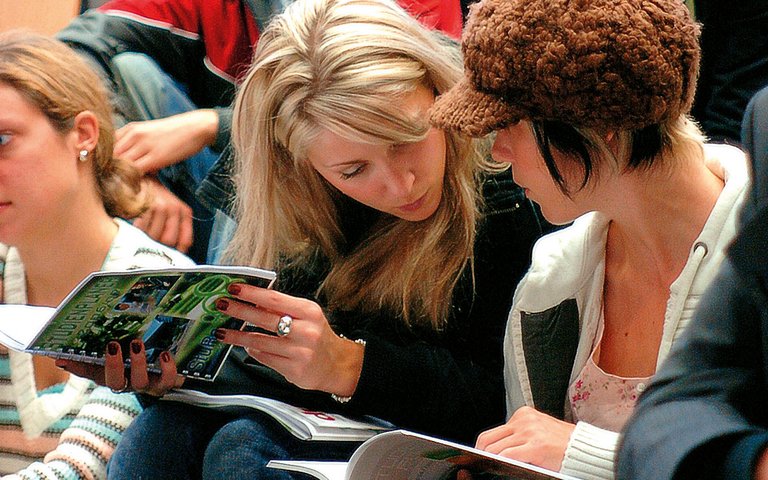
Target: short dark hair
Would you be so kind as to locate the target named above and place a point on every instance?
(646, 144)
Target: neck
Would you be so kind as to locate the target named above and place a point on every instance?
(56, 262)
(656, 216)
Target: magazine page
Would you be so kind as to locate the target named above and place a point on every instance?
(320, 470)
(170, 309)
(402, 455)
(303, 423)
(20, 324)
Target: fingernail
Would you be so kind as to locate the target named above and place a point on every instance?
(112, 348)
(222, 304)
(219, 334)
(165, 357)
(234, 288)
(136, 346)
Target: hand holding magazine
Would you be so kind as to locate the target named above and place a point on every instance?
(403, 455)
(169, 309)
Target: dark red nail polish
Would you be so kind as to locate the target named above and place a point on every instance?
(222, 304)
(112, 348)
(219, 334)
(165, 357)
(234, 288)
(136, 346)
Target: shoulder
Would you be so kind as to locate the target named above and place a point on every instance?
(132, 248)
(728, 162)
(564, 262)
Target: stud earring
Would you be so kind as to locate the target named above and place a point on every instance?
(83, 155)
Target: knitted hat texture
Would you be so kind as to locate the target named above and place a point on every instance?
(618, 64)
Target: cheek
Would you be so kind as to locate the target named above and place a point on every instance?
(435, 151)
(355, 190)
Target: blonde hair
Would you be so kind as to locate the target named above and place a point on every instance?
(54, 79)
(342, 65)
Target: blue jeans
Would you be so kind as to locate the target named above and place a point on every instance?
(179, 441)
(152, 94)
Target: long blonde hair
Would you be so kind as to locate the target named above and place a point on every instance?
(342, 65)
(54, 79)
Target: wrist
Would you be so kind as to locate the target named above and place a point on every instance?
(202, 124)
(352, 365)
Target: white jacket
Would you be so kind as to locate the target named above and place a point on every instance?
(554, 319)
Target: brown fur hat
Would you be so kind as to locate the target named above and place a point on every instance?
(617, 64)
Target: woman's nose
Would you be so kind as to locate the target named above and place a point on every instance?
(400, 181)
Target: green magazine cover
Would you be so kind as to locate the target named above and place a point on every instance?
(172, 309)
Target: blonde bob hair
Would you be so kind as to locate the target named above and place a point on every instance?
(342, 65)
(54, 79)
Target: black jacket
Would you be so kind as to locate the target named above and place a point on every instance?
(449, 385)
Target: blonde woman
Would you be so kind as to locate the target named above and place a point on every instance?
(60, 194)
(398, 246)
(590, 102)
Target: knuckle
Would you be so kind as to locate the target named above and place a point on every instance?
(314, 310)
(272, 296)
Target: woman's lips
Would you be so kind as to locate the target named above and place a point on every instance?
(413, 206)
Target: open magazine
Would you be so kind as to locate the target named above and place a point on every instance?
(403, 455)
(303, 423)
(169, 309)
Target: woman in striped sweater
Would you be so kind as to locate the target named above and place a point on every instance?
(60, 195)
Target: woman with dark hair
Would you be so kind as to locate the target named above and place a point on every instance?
(590, 102)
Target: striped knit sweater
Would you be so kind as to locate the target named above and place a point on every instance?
(70, 430)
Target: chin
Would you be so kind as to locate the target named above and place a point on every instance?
(557, 218)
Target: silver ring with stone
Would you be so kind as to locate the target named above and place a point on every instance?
(284, 325)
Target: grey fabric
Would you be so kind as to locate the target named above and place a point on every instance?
(553, 330)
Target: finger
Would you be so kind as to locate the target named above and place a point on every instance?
(85, 370)
(133, 152)
(143, 221)
(170, 234)
(186, 233)
(122, 141)
(493, 435)
(272, 300)
(168, 377)
(249, 313)
(255, 341)
(114, 368)
(506, 443)
(463, 475)
(139, 373)
(155, 227)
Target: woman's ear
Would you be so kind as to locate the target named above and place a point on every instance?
(86, 130)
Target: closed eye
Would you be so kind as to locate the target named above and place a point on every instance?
(346, 175)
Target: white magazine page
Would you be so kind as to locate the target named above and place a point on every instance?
(321, 470)
(20, 324)
(301, 422)
(403, 455)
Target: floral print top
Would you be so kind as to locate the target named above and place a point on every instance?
(602, 399)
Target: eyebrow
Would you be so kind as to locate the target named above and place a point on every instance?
(344, 164)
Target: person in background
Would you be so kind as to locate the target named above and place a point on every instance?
(172, 66)
(60, 193)
(704, 414)
(590, 102)
(734, 64)
(397, 248)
